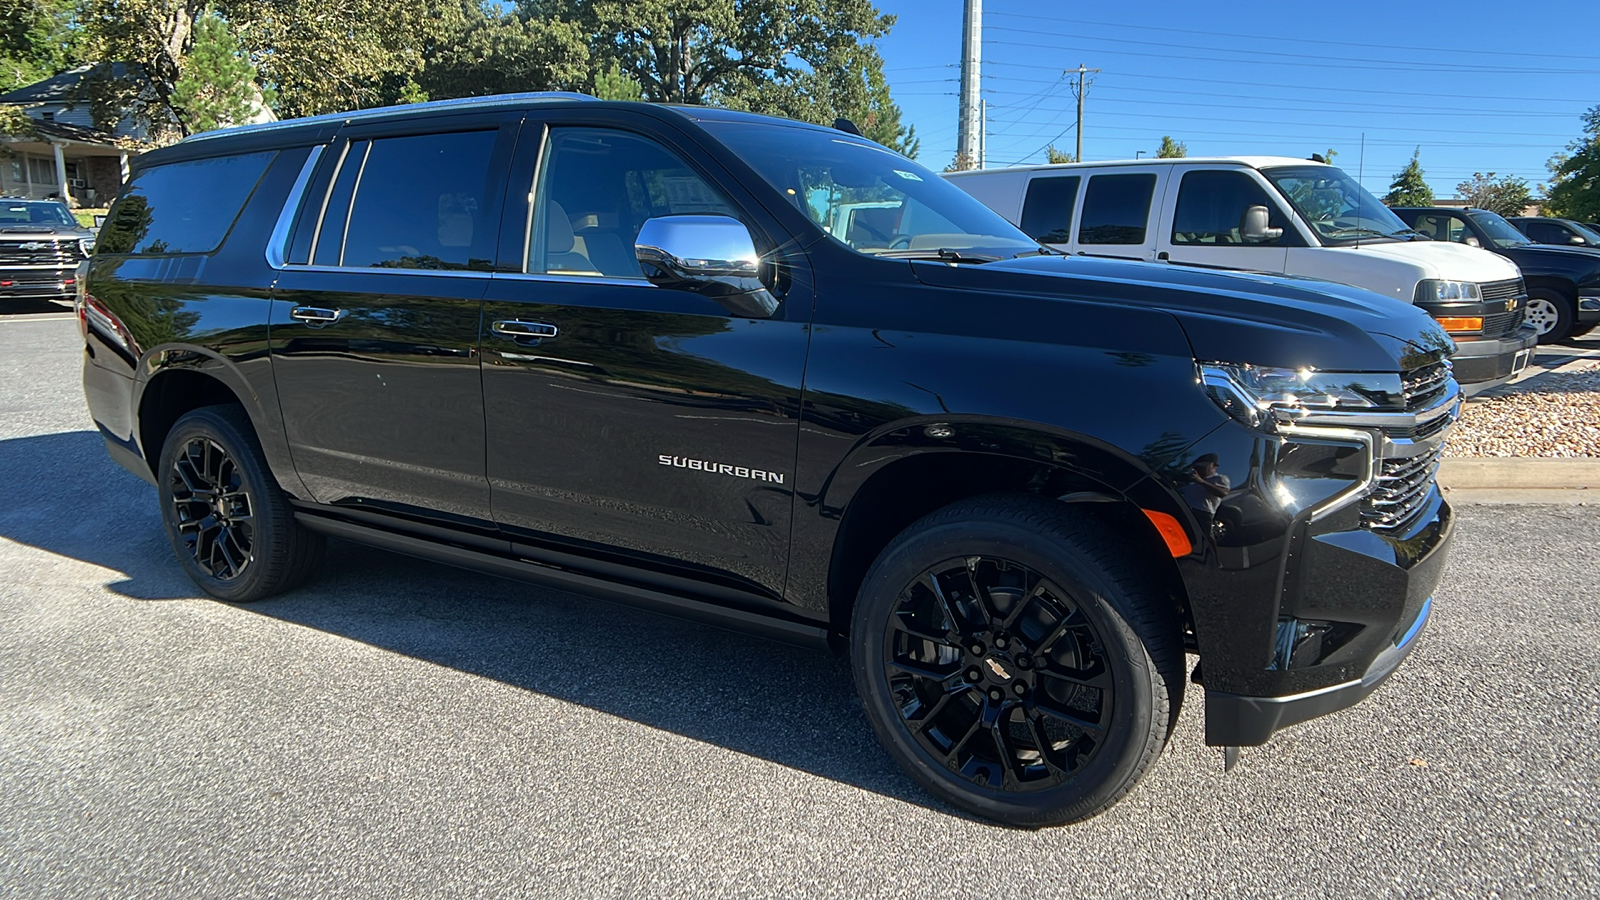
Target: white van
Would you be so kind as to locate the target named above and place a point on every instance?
(1276, 215)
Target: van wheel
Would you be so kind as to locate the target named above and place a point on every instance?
(1551, 314)
(230, 524)
(1016, 661)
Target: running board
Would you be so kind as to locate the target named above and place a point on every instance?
(811, 637)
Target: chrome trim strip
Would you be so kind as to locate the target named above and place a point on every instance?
(1444, 406)
(374, 270)
(291, 207)
(316, 227)
(533, 190)
(1357, 489)
(613, 280)
(355, 191)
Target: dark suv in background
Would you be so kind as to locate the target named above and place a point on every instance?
(41, 244)
(632, 351)
(1563, 281)
(1561, 232)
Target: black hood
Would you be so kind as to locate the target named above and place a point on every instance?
(1581, 264)
(1238, 317)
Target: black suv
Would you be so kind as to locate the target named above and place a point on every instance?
(1563, 281)
(630, 351)
(41, 244)
(1561, 232)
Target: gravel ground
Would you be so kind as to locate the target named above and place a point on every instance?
(1557, 415)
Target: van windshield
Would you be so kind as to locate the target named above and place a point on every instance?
(870, 198)
(1338, 209)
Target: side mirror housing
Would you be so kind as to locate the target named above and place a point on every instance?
(1576, 239)
(1471, 241)
(713, 256)
(1253, 229)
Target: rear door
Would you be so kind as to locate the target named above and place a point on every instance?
(629, 423)
(1118, 212)
(1203, 215)
(376, 312)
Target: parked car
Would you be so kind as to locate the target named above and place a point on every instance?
(1563, 281)
(41, 244)
(1267, 214)
(1560, 232)
(627, 350)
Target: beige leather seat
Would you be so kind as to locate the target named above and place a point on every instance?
(561, 253)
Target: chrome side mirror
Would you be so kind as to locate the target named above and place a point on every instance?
(710, 255)
(1253, 229)
(1471, 241)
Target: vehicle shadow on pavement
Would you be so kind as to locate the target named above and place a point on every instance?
(794, 707)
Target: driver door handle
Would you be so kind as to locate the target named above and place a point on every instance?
(316, 316)
(517, 329)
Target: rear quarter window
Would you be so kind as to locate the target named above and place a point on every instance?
(182, 207)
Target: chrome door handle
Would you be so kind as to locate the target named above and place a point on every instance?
(516, 329)
(316, 316)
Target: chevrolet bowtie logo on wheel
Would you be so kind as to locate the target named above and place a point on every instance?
(997, 669)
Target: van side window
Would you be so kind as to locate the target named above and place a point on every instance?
(158, 212)
(1047, 210)
(418, 202)
(1211, 208)
(596, 190)
(1116, 209)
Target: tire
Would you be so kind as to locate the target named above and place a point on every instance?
(1581, 330)
(229, 523)
(1551, 314)
(1043, 702)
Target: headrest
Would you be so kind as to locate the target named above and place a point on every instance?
(557, 229)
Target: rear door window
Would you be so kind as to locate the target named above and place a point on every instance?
(1116, 209)
(182, 207)
(1048, 208)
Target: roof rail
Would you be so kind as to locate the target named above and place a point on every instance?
(491, 101)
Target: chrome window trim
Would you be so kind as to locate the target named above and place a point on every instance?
(533, 192)
(376, 270)
(613, 280)
(316, 227)
(355, 192)
(276, 245)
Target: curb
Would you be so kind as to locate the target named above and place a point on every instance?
(1525, 473)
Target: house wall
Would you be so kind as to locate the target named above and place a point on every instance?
(105, 179)
(31, 174)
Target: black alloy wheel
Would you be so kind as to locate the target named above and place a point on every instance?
(1017, 659)
(211, 507)
(229, 523)
(998, 674)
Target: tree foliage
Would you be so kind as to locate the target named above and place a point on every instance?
(807, 59)
(1507, 195)
(1052, 155)
(218, 85)
(1171, 149)
(494, 52)
(1409, 188)
(37, 40)
(614, 84)
(1574, 189)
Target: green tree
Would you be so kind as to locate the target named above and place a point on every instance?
(1171, 149)
(1409, 188)
(1508, 195)
(614, 84)
(38, 39)
(218, 84)
(494, 52)
(1574, 189)
(809, 59)
(1052, 155)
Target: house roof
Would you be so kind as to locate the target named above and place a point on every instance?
(62, 131)
(63, 88)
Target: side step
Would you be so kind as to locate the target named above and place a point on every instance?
(811, 637)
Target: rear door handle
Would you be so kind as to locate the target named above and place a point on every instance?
(517, 329)
(316, 316)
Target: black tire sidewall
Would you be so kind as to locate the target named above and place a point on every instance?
(1566, 315)
(1135, 682)
(218, 424)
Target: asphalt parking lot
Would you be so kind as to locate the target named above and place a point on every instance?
(398, 728)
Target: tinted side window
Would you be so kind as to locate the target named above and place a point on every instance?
(184, 207)
(1434, 227)
(1211, 207)
(1544, 232)
(1456, 230)
(1047, 210)
(1116, 209)
(596, 189)
(421, 202)
(330, 237)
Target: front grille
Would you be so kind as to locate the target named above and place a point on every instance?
(40, 252)
(1400, 492)
(1421, 386)
(1502, 324)
(1502, 290)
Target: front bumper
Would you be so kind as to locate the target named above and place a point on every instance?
(35, 284)
(1483, 363)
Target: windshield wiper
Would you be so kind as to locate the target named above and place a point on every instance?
(1352, 232)
(1411, 231)
(943, 254)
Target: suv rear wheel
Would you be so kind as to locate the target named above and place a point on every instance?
(229, 523)
(1015, 661)
(1551, 314)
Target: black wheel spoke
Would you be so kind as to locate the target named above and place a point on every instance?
(1022, 605)
(1070, 620)
(958, 625)
(1073, 718)
(901, 625)
(1100, 680)
(212, 508)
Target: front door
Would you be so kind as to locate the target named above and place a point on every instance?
(1206, 212)
(627, 420)
(375, 328)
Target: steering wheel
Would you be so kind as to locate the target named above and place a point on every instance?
(900, 242)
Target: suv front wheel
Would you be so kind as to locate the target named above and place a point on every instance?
(1551, 314)
(1016, 661)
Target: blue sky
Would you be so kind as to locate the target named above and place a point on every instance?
(1479, 86)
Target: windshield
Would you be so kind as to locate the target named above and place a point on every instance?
(869, 198)
(1338, 209)
(1502, 234)
(1589, 234)
(42, 212)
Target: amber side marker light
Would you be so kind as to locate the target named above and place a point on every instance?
(1171, 531)
(1454, 324)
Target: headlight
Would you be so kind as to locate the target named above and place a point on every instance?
(87, 246)
(1248, 393)
(1434, 290)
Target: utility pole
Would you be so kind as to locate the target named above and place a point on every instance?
(983, 134)
(1081, 70)
(968, 142)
